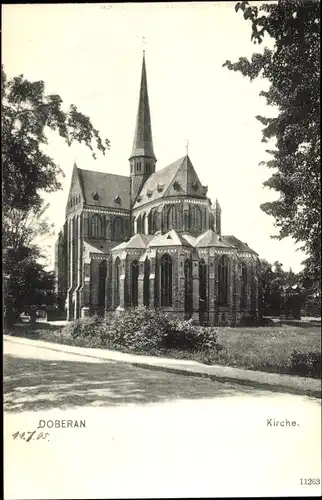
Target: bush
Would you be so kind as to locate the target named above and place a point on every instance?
(143, 330)
(188, 336)
(306, 364)
(85, 327)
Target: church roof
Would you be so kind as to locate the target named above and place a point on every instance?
(211, 239)
(137, 241)
(105, 190)
(171, 238)
(143, 143)
(242, 247)
(178, 178)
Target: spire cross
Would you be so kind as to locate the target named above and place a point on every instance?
(143, 43)
(187, 147)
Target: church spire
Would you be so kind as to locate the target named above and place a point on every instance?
(143, 143)
(142, 159)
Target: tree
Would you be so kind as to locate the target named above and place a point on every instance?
(293, 69)
(27, 114)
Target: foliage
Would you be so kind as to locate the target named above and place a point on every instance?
(145, 330)
(27, 286)
(306, 364)
(293, 69)
(27, 113)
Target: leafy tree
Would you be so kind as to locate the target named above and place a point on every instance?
(27, 114)
(292, 67)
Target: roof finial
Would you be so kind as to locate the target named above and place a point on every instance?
(187, 147)
(143, 43)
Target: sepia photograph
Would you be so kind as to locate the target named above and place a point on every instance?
(161, 249)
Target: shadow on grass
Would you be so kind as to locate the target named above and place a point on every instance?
(41, 384)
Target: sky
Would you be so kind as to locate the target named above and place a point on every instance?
(91, 55)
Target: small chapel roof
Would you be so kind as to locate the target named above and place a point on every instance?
(212, 239)
(104, 189)
(242, 247)
(137, 241)
(171, 238)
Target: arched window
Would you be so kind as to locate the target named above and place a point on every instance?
(96, 226)
(102, 273)
(118, 229)
(146, 283)
(117, 272)
(173, 219)
(166, 280)
(143, 223)
(243, 286)
(134, 282)
(139, 224)
(195, 218)
(188, 286)
(202, 289)
(153, 221)
(223, 281)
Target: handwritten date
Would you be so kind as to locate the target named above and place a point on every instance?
(31, 435)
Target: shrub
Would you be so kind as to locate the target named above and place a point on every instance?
(306, 364)
(85, 327)
(136, 329)
(188, 336)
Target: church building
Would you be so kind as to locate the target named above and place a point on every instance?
(153, 238)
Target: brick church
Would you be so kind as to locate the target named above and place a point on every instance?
(154, 239)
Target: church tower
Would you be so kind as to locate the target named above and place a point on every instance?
(142, 159)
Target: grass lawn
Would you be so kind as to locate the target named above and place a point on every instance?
(266, 348)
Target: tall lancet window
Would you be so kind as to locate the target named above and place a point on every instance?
(134, 282)
(96, 226)
(188, 286)
(118, 229)
(243, 286)
(195, 218)
(146, 283)
(166, 280)
(117, 273)
(173, 218)
(223, 281)
(102, 273)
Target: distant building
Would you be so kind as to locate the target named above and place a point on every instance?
(153, 238)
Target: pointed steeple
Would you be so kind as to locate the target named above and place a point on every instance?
(143, 143)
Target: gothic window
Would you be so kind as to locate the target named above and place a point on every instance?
(243, 286)
(166, 280)
(102, 273)
(143, 223)
(153, 221)
(96, 226)
(118, 230)
(195, 218)
(117, 269)
(139, 224)
(254, 294)
(223, 281)
(202, 286)
(134, 282)
(188, 286)
(173, 221)
(146, 283)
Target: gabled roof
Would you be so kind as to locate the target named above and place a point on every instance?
(103, 190)
(171, 238)
(211, 239)
(242, 247)
(137, 241)
(178, 178)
